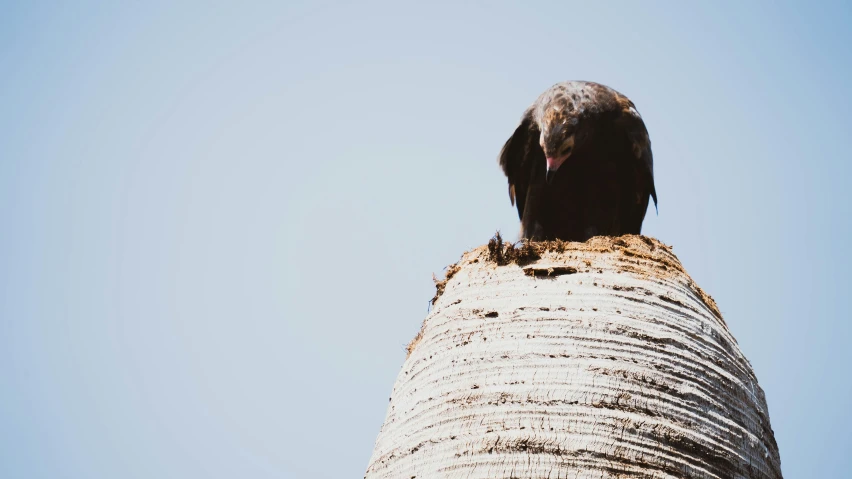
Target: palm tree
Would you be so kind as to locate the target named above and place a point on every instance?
(574, 360)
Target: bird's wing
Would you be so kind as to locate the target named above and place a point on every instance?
(515, 160)
(647, 161)
(640, 143)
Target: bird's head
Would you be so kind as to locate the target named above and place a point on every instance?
(557, 141)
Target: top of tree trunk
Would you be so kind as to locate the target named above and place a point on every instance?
(581, 360)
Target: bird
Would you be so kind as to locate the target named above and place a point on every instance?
(579, 164)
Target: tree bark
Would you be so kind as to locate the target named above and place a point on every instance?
(575, 360)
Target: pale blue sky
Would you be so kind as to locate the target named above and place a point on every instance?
(219, 222)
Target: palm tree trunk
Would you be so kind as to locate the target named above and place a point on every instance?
(575, 360)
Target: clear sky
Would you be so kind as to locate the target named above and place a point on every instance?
(219, 222)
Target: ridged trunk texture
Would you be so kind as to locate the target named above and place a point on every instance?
(577, 360)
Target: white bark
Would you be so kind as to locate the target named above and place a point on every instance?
(623, 368)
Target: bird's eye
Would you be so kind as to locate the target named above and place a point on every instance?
(568, 145)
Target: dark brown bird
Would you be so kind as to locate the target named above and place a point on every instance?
(579, 164)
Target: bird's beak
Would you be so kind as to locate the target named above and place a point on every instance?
(553, 164)
(549, 176)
